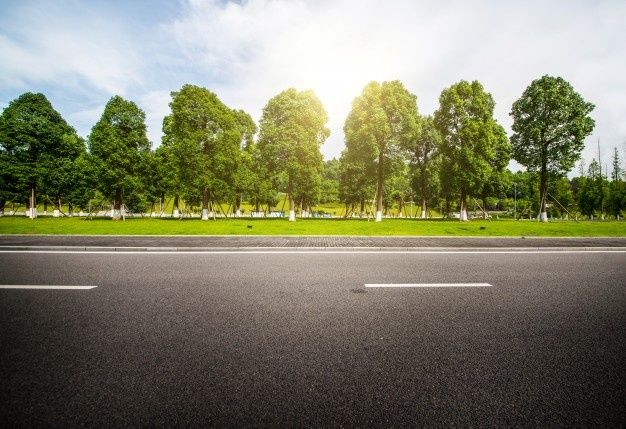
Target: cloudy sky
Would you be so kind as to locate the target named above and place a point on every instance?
(80, 53)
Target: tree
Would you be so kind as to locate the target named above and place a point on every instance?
(203, 138)
(246, 175)
(32, 132)
(424, 162)
(60, 168)
(292, 129)
(330, 181)
(474, 145)
(357, 182)
(118, 144)
(378, 129)
(496, 182)
(550, 123)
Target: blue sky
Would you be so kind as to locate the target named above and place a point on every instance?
(80, 53)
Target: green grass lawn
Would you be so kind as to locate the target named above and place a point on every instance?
(411, 227)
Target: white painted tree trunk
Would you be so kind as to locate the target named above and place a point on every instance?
(379, 215)
(205, 214)
(543, 217)
(116, 214)
(238, 213)
(463, 215)
(292, 215)
(423, 214)
(176, 213)
(56, 213)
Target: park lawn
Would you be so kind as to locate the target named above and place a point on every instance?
(388, 227)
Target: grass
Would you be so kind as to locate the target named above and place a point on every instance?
(388, 227)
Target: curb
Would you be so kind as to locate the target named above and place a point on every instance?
(616, 249)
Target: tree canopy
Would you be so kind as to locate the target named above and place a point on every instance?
(118, 144)
(378, 129)
(292, 129)
(550, 123)
(472, 140)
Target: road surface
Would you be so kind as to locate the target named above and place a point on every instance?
(295, 338)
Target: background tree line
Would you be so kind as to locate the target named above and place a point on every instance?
(212, 156)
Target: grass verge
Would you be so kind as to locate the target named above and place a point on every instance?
(388, 227)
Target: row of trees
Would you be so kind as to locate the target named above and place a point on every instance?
(211, 153)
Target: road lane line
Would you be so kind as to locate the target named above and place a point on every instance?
(306, 252)
(428, 285)
(68, 287)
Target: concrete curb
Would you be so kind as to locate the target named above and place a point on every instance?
(307, 249)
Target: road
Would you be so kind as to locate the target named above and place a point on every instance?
(294, 338)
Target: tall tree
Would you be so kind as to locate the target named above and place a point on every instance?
(379, 127)
(471, 138)
(60, 169)
(246, 176)
(330, 181)
(118, 144)
(31, 132)
(204, 138)
(550, 123)
(357, 180)
(292, 129)
(424, 162)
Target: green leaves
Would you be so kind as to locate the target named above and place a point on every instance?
(292, 129)
(473, 143)
(118, 144)
(378, 129)
(550, 123)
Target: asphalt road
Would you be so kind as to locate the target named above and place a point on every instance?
(295, 339)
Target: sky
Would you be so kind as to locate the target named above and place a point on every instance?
(81, 53)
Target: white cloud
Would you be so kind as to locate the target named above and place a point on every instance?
(255, 49)
(156, 106)
(49, 44)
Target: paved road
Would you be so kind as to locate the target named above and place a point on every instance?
(186, 242)
(237, 339)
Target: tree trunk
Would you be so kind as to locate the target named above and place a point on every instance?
(116, 214)
(205, 204)
(292, 208)
(57, 206)
(176, 211)
(32, 204)
(70, 209)
(485, 213)
(3, 203)
(362, 212)
(543, 191)
(238, 205)
(463, 208)
(424, 208)
(45, 206)
(379, 190)
(162, 203)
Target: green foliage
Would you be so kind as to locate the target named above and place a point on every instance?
(119, 145)
(550, 123)
(425, 161)
(330, 181)
(38, 145)
(292, 129)
(202, 139)
(474, 147)
(378, 130)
